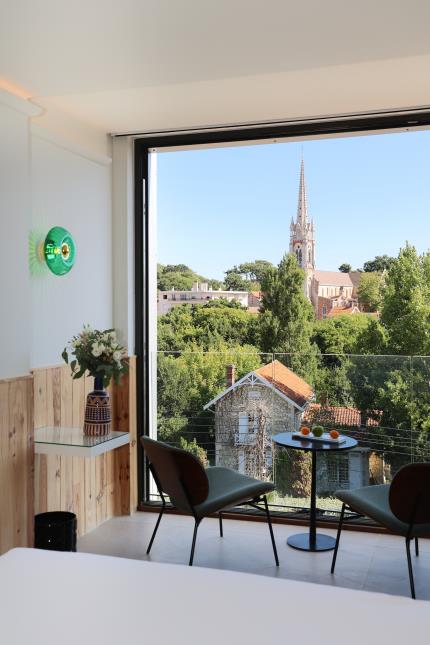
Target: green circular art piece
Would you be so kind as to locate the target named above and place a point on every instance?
(59, 250)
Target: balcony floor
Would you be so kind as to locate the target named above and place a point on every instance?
(365, 561)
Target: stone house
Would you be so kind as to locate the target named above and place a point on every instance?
(273, 399)
(250, 411)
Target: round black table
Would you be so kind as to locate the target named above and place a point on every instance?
(312, 541)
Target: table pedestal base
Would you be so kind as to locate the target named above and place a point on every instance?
(301, 541)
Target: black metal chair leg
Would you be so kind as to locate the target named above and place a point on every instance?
(221, 533)
(272, 537)
(339, 530)
(417, 548)
(196, 526)
(411, 574)
(156, 527)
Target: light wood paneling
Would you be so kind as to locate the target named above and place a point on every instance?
(16, 463)
(98, 488)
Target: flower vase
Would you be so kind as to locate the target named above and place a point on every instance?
(97, 421)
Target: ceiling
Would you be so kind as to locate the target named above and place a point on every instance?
(144, 64)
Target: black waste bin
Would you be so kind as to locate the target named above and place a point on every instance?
(55, 531)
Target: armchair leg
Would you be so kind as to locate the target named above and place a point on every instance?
(272, 537)
(156, 527)
(411, 574)
(339, 530)
(417, 548)
(221, 533)
(193, 545)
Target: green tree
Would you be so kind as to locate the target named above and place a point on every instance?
(234, 281)
(405, 311)
(181, 277)
(340, 334)
(287, 316)
(370, 291)
(175, 280)
(206, 326)
(187, 380)
(251, 273)
(379, 264)
(345, 268)
(196, 450)
(373, 339)
(216, 284)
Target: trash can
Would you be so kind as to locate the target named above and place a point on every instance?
(55, 531)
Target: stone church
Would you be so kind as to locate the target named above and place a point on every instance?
(330, 292)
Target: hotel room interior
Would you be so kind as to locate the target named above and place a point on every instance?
(90, 93)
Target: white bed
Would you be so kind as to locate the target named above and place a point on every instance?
(55, 598)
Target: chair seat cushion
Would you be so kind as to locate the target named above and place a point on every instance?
(228, 487)
(373, 501)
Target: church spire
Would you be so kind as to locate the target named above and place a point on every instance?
(302, 241)
(302, 206)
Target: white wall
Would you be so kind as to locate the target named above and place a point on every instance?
(72, 191)
(14, 226)
(123, 240)
(46, 181)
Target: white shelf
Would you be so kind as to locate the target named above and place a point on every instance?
(71, 442)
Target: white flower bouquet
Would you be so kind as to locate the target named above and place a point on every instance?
(97, 352)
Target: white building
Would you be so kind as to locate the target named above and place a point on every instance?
(200, 294)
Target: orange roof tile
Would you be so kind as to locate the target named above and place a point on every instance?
(340, 311)
(336, 416)
(287, 382)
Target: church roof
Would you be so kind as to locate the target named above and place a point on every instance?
(285, 380)
(333, 278)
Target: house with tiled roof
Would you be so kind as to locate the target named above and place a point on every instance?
(250, 410)
(272, 399)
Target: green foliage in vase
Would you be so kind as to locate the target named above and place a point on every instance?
(98, 353)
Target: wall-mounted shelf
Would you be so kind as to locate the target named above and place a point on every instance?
(71, 442)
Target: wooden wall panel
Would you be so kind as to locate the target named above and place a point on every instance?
(16, 463)
(98, 488)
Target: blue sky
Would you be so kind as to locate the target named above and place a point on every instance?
(367, 195)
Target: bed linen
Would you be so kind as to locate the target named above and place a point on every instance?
(54, 598)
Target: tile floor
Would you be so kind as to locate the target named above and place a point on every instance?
(365, 560)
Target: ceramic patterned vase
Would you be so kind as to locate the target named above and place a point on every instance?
(97, 421)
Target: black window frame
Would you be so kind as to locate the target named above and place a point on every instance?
(396, 120)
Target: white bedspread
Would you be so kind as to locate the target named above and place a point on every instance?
(55, 598)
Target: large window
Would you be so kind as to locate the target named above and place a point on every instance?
(277, 284)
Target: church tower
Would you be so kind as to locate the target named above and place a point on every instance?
(302, 242)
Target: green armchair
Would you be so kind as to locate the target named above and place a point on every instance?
(403, 507)
(200, 492)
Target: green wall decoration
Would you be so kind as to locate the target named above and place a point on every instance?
(59, 250)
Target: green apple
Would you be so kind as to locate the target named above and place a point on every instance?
(317, 431)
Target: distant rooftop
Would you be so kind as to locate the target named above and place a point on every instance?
(333, 278)
(285, 380)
